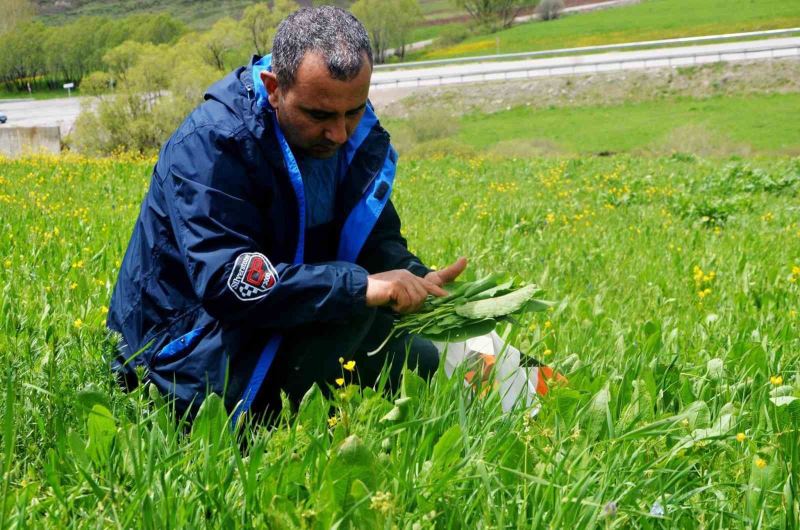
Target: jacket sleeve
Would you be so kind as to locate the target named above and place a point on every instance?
(209, 200)
(386, 249)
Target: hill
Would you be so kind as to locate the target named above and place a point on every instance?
(198, 14)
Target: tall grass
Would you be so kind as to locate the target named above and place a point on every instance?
(677, 328)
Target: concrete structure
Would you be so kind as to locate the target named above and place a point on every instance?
(15, 141)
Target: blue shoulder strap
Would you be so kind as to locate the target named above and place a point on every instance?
(267, 356)
(365, 213)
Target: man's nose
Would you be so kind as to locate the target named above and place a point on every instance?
(337, 132)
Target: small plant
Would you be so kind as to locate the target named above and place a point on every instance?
(470, 310)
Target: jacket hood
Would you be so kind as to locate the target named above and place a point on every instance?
(236, 92)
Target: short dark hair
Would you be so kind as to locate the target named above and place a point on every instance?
(330, 31)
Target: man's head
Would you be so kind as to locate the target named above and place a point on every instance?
(321, 70)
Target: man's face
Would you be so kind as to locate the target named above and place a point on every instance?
(318, 113)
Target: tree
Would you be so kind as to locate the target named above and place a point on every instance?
(224, 38)
(121, 58)
(407, 14)
(388, 22)
(21, 54)
(156, 93)
(14, 13)
(495, 14)
(260, 22)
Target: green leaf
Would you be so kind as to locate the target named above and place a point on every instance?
(102, 427)
(351, 461)
(596, 414)
(476, 329)
(481, 285)
(399, 412)
(782, 401)
(313, 410)
(90, 396)
(447, 450)
(497, 307)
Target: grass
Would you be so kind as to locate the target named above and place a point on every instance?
(649, 20)
(716, 126)
(37, 94)
(677, 328)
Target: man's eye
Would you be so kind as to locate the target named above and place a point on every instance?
(320, 116)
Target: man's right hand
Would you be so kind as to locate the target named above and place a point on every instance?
(401, 290)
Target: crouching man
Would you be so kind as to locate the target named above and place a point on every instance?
(267, 247)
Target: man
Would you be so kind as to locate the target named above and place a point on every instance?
(267, 247)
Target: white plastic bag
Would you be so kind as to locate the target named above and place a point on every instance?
(517, 385)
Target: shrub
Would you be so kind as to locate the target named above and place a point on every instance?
(550, 9)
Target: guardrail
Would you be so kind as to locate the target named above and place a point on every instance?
(520, 72)
(585, 49)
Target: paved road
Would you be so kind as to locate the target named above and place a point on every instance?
(47, 112)
(473, 72)
(62, 112)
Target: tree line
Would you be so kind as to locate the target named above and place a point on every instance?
(34, 54)
(150, 70)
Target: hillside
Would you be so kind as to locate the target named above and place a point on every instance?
(199, 14)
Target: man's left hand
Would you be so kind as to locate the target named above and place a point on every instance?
(448, 274)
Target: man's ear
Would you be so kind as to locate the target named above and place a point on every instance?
(273, 90)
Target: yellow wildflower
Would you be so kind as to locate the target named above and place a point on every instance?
(776, 380)
(103, 309)
(333, 421)
(761, 463)
(548, 324)
(349, 366)
(78, 324)
(340, 381)
(741, 437)
(73, 285)
(548, 352)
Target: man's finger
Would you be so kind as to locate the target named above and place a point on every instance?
(401, 299)
(432, 288)
(418, 290)
(451, 272)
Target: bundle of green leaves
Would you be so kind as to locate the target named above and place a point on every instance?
(470, 309)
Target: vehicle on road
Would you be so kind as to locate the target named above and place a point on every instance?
(3, 118)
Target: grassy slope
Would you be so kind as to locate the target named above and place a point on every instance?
(652, 19)
(718, 125)
(616, 239)
(198, 14)
(759, 121)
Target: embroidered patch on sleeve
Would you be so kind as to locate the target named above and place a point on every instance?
(252, 277)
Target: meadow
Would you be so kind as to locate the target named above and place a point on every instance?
(740, 124)
(648, 20)
(677, 281)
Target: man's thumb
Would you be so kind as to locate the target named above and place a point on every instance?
(450, 273)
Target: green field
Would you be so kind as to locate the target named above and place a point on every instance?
(677, 326)
(758, 124)
(650, 20)
(719, 126)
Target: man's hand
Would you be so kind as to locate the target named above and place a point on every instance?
(401, 290)
(448, 274)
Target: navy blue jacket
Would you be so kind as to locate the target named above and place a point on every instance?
(215, 267)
